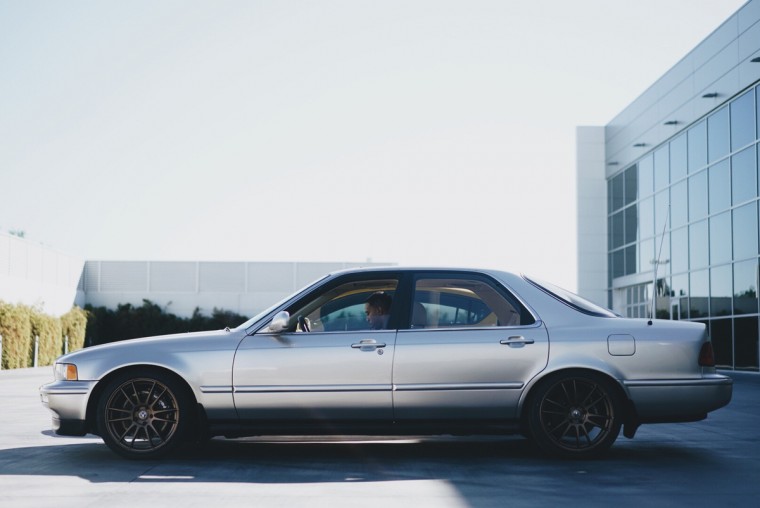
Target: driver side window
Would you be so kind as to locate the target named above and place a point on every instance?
(353, 306)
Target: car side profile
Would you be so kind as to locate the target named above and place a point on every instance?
(394, 351)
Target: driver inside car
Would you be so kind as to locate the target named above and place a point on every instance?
(378, 309)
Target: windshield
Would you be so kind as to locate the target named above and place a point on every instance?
(571, 299)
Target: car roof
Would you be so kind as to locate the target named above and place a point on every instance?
(394, 268)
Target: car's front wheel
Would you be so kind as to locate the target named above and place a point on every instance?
(575, 415)
(143, 415)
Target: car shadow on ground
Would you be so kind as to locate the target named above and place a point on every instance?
(330, 460)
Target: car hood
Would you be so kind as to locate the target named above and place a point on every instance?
(177, 340)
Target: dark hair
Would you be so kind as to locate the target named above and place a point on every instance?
(380, 300)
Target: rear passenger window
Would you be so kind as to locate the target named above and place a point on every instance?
(464, 302)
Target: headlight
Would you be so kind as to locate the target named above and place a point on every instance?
(66, 371)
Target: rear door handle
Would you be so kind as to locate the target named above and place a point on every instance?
(516, 341)
(368, 345)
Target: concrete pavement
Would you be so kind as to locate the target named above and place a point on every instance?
(715, 462)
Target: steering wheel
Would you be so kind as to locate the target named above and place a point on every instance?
(303, 323)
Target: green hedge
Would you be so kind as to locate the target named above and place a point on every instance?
(50, 332)
(74, 324)
(16, 329)
(128, 321)
(19, 324)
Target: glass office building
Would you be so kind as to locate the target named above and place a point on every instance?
(680, 166)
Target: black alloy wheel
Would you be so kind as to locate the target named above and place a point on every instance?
(577, 415)
(143, 416)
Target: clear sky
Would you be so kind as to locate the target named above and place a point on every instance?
(428, 132)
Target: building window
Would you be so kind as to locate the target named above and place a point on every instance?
(720, 239)
(637, 301)
(744, 231)
(699, 248)
(721, 334)
(743, 176)
(717, 135)
(697, 140)
(721, 291)
(661, 168)
(743, 121)
(679, 259)
(679, 200)
(646, 176)
(698, 196)
(745, 343)
(745, 287)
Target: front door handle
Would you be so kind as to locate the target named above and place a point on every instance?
(368, 345)
(516, 341)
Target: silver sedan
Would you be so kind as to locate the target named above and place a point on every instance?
(397, 351)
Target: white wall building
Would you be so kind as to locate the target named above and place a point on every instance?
(36, 275)
(40, 276)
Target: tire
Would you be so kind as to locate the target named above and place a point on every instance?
(144, 415)
(575, 415)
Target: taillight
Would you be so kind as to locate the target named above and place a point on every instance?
(706, 355)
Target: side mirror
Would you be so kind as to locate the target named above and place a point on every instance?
(279, 322)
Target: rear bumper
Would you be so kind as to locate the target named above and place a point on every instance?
(67, 401)
(671, 400)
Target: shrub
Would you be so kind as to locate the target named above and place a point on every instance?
(19, 324)
(50, 333)
(16, 329)
(74, 325)
(129, 322)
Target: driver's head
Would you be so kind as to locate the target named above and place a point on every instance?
(378, 307)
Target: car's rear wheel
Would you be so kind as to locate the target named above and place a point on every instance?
(575, 415)
(143, 415)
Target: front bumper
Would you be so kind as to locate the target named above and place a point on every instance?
(67, 401)
(673, 400)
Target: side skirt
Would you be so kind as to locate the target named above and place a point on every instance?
(233, 429)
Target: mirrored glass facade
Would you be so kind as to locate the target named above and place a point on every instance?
(689, 208)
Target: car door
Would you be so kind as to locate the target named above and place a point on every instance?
(328, 364)
(469, 351)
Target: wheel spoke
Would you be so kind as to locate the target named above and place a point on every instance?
(586, 434)
(605, 417)
(559, 427)
(603, 425)
(150, 392)
(597, 401)
(558, 404)
(158, 435)
(134, 389)
(588, 396)
(127, 431)
(165, 413)
(577, 437)
(127, 419)
(159, 397)
(127, 399)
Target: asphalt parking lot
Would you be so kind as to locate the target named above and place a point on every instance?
(715, 462)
